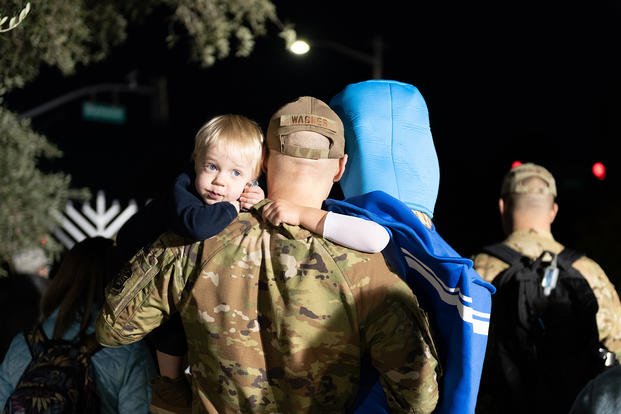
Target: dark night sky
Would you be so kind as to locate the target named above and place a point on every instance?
(530, 80)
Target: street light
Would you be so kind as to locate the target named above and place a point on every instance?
(375, 59)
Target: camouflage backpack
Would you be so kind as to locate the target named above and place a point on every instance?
(59, 379)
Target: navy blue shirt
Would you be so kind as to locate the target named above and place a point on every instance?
(181, 211)
(194, 219)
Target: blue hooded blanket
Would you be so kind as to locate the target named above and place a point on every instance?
(389, 145)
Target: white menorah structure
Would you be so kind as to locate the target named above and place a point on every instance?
(75, 226)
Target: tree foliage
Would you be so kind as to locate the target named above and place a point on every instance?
(6, 24)
(26, 192)
(68, 34)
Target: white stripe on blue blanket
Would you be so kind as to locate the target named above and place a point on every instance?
(451, 296)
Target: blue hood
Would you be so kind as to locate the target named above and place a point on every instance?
(388, 142)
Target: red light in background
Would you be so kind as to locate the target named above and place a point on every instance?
(516, 163)
(599, 170)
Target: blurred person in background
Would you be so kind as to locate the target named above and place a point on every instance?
(21, 292)
(69, 308)
(528, 208)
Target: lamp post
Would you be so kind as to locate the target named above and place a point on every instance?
(375, 59)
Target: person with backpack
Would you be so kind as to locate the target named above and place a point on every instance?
(556, 317)
(48, 369)
(21, 292)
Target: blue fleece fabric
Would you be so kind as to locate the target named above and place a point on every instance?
(389, 144)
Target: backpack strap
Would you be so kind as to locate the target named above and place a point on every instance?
(568, 256)
(35, 339)
(504, 253)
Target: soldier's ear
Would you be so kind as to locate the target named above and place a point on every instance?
(341, 168)
(553, 212)
(266, 153)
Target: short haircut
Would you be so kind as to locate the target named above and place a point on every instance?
(235, 133)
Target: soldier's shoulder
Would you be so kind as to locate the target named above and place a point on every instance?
(245, 224)
(589, 268)
(481, 260)
(170, 239)
(361, 267)
(169, 246)
(346, 257)
(488, 266)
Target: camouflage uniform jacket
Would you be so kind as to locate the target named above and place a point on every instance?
(277, 320)
(532, 243)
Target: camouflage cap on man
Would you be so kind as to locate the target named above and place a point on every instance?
(306, 114)
(517, 181)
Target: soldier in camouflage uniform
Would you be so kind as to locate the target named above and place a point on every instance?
(278, 318)
(528, 209)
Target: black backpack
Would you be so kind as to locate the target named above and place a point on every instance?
(59, 379)
(543, 343)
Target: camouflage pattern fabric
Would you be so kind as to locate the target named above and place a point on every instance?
(277, 320)
(532, 243)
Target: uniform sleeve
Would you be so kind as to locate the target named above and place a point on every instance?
(609, 305)
(355, 232)
(143, 294)
(194, 219)
(399, 340)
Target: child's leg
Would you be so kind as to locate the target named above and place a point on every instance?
(171, 396)
(170, 346)
(170, 366)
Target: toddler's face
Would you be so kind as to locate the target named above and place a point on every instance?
(221, 175)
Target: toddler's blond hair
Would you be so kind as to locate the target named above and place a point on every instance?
(235, 134)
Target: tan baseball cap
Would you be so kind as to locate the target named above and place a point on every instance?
(306, 114)
(515, 181)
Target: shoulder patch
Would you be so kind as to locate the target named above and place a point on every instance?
(116, 287)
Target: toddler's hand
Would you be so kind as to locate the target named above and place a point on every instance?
(281, 211)
(252, 195)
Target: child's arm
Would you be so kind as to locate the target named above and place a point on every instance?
(353, 232)
(194, 219)
(199, 221)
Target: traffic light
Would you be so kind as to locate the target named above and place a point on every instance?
(599, 170)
